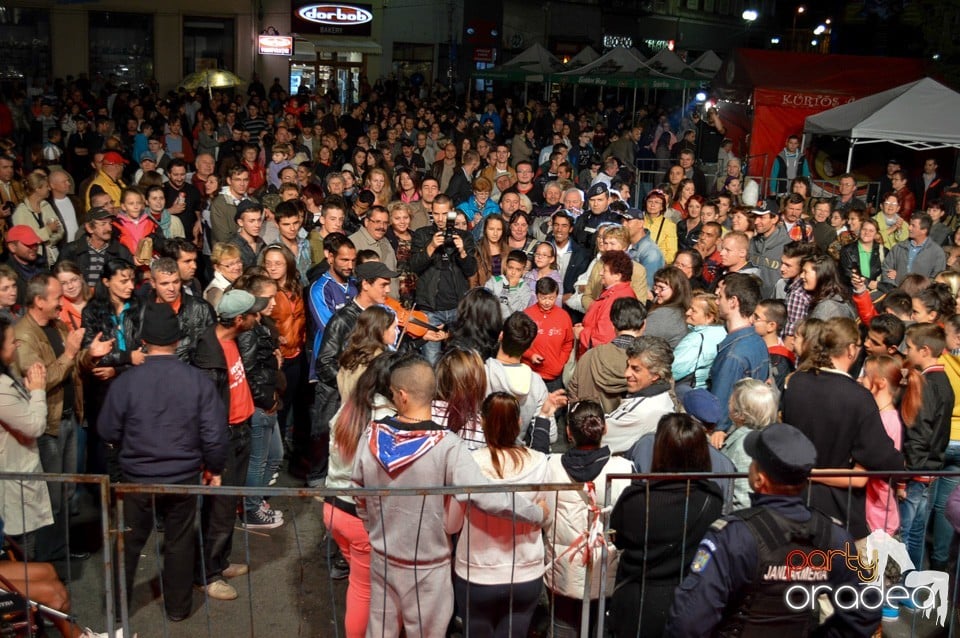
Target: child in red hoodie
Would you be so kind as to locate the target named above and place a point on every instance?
(768, 320)
(131, 225)
(551, 349)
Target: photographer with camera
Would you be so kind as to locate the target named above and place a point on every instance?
(444, 259)
(710, 131)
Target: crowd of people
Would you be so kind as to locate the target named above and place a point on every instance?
(404, 293)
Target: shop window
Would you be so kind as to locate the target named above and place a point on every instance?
(208, 43)
(410, 59)
(24, 44)
(121, 46)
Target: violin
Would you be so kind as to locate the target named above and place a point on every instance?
(413, 322)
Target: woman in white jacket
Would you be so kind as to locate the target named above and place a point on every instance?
(24, 506)
(576, 514)
(499, 561)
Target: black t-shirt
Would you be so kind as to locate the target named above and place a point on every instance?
(190, 214)
(56, 342)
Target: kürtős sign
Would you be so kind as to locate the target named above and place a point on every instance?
(331, 18)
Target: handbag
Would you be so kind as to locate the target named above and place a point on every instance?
(691, 379)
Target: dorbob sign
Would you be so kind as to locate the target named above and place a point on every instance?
(331, 18)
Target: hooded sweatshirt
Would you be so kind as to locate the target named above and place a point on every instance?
(528, 388)
(598, 375)
(494, 550)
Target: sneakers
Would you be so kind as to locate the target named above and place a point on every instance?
(89, 633)
(273, 479)
(235, 569)
(257, 519)
(220, 590)
(269, 511)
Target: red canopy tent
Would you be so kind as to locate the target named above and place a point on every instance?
(764, 96)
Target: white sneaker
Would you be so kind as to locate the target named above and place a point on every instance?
(89, 633)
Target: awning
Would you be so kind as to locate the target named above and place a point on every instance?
(336, 44)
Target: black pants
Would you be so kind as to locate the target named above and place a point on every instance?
(177, 512)
(490, 613)
(219, 513)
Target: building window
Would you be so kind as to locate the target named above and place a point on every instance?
(208, 43)
(121, 46)
(24, 44)
(410, 59)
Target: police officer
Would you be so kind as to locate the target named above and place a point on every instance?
(741, 582)
(597, 212)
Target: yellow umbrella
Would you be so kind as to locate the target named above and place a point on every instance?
(210, 79)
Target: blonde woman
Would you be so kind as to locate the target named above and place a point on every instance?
(227, 266)
(37, 213)
(377, 183)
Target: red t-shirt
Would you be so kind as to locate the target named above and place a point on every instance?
(241, 400)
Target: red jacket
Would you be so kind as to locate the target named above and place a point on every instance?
(554, 341)
(908, 202)
(597, 327)
(129, 232)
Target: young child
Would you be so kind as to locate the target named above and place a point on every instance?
(515, 294)
(131, 225)
(925, 443)
(279, 160)
(768, 320)
(544, 265)
(554, 343)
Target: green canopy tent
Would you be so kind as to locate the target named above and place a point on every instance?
(536, 64)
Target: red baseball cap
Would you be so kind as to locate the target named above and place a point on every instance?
(113, 157)
(24, 234)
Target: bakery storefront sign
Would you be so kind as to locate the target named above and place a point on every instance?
(275, 45)
(331, 18)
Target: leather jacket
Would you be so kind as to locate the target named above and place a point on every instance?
(257, 348)
(209, 358)
(850, 261)
(334, 340)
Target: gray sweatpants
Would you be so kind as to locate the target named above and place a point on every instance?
(420, 599)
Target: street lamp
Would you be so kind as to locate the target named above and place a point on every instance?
(819, 30)
(799, 11)
(750, 15)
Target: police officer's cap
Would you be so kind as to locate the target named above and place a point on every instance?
(782, 452)
(597, 189)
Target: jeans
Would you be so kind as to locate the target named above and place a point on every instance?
(266, 454)
(58, 455)
(431, 349)
(942, 529)
(914, 515)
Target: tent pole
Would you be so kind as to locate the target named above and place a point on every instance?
(850, 155)
(525, 86)
(803, 143)
(633, 117)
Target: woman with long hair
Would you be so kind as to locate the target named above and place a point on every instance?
(377, 182)
(678, 204)
(694, 355)
(461, 388)
(401, 239)
(934, 304)
(828, 296)
(492, 249)
(368, 402)
(478, 322)
(671, 300)
(659, 525)
(575, 514)
(407, 185)
(258, 348)
(544, 265)
(291, 321)
(114, 313)
(75, 295)
(375, 332)
(498, 566)
(37, 213)
(742, 220)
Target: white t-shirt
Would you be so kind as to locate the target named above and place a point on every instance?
(69, 214)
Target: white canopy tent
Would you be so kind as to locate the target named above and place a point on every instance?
(914, 115)
(708, 62)
(585, 56)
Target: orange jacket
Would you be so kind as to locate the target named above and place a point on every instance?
(291, 320)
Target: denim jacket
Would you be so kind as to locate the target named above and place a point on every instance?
(742, 354)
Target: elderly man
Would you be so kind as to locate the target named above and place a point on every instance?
(67, 206)
(373, 236)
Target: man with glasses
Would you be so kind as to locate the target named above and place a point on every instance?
(906, 198)
(525, 184)
(845, 200)
(373, 236)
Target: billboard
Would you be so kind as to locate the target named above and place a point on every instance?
(275, 45)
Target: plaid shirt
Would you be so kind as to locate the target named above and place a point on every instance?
(798, 305)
